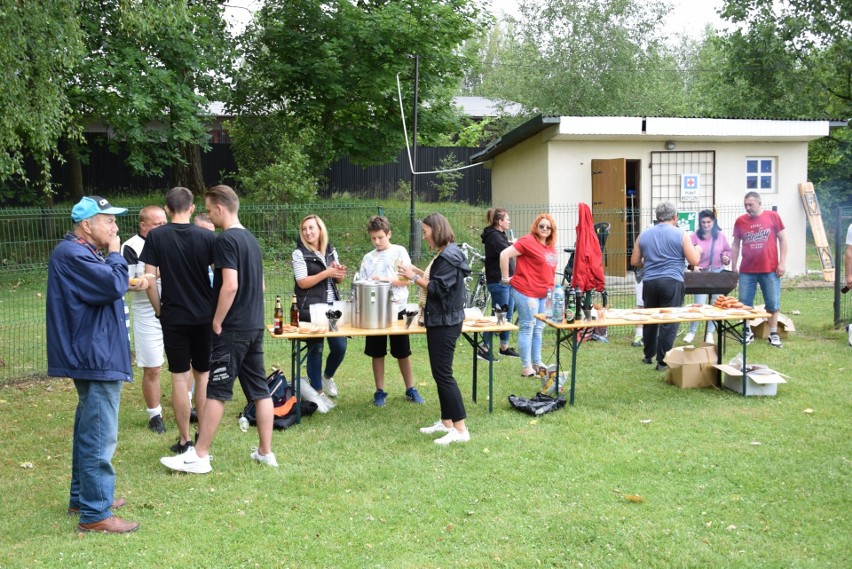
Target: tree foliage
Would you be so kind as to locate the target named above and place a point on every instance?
(580, 57)
(331, 66)
(41, 45)
(150, 71)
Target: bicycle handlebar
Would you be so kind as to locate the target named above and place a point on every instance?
(472, 251)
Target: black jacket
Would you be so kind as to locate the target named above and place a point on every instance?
(446, 294)
(319, 292)
(494, 241)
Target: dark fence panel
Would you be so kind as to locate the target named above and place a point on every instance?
(383, 181)
(106, 173)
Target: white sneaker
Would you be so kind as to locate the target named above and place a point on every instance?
(267, 459)
(775, 340)
(438, 427)
(328, 386)
(849, 331)
(327, 400)
(188, 462)
(709, 338)
(453, 436)
(310, 394)
(690, 336)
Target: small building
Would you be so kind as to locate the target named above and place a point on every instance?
(624, 166)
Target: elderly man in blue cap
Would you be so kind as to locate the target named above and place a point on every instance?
(87, 340)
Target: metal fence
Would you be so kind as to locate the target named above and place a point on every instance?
(842, 302)
(28, 236)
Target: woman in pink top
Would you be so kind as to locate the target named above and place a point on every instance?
(534, 270)
(715, 254)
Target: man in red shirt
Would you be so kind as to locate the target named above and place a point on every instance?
(760, 235)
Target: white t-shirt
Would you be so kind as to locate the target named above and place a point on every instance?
(849, 235)
(384, 264)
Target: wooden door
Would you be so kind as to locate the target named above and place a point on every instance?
(609, 203)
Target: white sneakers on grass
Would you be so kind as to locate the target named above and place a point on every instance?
(451, 435)
(267, 459)
(709, 338)
(438, 427)
(690, 336)
(328, 386)
(189, 462)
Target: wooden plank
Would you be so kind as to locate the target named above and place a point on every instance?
(811, 205)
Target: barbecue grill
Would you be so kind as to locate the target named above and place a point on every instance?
(709, 282)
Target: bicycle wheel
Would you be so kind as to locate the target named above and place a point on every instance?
(479, 297)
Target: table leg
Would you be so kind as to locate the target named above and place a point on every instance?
(294, 377)
(574, 347)
(490, 372)
(745, 355)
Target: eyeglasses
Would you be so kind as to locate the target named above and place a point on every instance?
(544, 227)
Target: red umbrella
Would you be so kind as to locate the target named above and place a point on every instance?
(588, 261)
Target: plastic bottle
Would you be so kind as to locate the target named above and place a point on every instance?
(558, 312)
(548, 303)
(278, 317)
(244, 424)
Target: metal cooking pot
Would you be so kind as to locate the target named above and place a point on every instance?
(372, 306)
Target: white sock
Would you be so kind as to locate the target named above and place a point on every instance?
(154, 412)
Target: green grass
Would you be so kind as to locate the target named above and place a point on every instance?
(361, 486)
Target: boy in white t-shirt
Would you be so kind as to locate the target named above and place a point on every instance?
(381, 264)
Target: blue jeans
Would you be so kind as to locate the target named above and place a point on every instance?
(529, 329)
(501, 295)
(95, 437)
(336, 351)
(702, 299)
(770, 287)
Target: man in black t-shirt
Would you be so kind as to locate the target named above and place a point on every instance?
(182, 252)
(238, 330)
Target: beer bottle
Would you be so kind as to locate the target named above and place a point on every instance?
(278, 317)
(294, 311)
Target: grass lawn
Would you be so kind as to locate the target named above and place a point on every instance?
(713, 480)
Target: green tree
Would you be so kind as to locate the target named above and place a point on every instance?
(41, 45)
(332, 66)
(582, 57)
(151, 70)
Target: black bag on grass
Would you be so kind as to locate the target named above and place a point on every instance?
(283, 403)
(538, 405)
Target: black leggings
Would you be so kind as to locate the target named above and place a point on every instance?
(441, 342)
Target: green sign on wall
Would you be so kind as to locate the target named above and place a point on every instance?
(687, 220)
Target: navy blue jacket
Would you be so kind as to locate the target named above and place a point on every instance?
(87, 336)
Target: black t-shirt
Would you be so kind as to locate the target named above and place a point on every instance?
(182, 251)
(237, 249)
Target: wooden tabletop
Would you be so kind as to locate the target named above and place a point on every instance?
(398, 329)
(655, 316)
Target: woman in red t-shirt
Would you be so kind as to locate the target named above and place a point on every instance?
(534, 270)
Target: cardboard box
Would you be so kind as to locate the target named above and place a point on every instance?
(691, 366)
(760, 326)
(760, 381)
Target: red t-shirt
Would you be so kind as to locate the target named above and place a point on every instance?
(758, 241)
(535, 267)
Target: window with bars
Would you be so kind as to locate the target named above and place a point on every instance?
(685, 178)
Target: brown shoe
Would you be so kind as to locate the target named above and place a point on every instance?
(112, 524)
(117, 503)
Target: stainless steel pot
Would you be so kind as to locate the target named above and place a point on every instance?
(372, 305)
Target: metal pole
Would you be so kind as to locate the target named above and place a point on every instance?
(415, 254)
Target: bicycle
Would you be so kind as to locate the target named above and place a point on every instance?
(478, 297)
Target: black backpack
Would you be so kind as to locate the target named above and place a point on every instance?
(283, 403)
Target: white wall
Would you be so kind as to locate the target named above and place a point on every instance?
(559, 172)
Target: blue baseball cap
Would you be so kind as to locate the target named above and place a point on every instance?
(93, 205)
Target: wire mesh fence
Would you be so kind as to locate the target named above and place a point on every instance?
(28, 236)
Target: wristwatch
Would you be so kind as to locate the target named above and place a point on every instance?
(414, 278)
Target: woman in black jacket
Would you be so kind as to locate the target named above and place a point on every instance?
(443, 285)
(495, 240)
